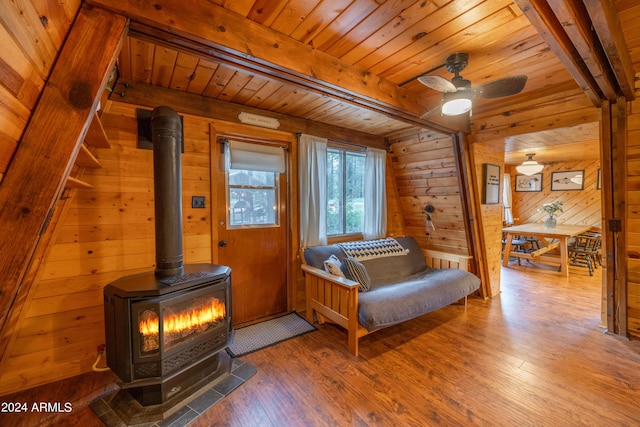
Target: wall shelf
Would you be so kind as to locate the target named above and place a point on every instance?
(95, 137)
(76, 183)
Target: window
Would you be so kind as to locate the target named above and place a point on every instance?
(252, 198)
(253, 172)
(345, 191)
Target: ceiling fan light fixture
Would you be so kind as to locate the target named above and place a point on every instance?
(457, 93)
(529, 167)
(456, 103)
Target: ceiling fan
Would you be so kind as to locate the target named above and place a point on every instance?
(457, 93)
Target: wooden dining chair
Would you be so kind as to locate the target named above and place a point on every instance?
(585, 251)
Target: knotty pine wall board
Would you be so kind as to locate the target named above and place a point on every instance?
(108, 232)
(633, 218)
(29, 49)
(580, 206)
(491, 214)
(424, 168)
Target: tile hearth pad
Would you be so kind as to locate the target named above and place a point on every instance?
(191, 408)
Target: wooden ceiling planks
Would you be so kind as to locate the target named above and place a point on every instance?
(629, 15)
(580, 142)
(393, 40)
(201, 76)
(227, 84)
(414, 23)
(395, 29)
(460, 33)
(318, 19)
(264, 11)
(164, 63)
(343, 24)
(365, 27)
(21, 20)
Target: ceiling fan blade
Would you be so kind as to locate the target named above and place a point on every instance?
(431, 112)
(437, 83)
(502, 87)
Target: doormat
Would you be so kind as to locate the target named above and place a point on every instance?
(265, 334)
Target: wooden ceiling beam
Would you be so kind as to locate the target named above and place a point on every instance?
(545, 21)
(223, 35)
(50, 144)
(577, 24)
(187, 103)
(606, 24)
(587, 38)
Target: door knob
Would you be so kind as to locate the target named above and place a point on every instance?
(222, 243)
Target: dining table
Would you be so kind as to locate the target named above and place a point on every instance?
(548, 239)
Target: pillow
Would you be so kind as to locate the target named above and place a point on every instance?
(356, 271)
(332, 265)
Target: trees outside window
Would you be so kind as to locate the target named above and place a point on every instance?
(345, 191)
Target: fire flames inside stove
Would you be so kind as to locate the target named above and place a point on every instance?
(179, 324)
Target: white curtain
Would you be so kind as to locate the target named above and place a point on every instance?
(312, 168)
(506, 198)
(375, 194)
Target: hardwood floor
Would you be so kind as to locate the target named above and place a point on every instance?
(535, 355)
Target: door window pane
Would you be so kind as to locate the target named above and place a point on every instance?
(252, 198)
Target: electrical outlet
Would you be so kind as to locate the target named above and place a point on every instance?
(615, 225)
(197, 202)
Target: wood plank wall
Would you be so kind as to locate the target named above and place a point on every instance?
(492, 153)
(106, 232)
(425, 173)
(31, 35)
(633, 217)
(395, 214)
(580, 206)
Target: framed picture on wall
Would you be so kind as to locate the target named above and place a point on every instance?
(569, 180)
(490, 184)
(528, 183)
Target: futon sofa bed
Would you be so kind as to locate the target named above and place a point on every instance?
(400, 285)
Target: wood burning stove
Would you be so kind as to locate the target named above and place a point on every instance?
(162, 338)
(165, 329)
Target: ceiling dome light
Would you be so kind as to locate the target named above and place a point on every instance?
(456, 103)
(529, 167)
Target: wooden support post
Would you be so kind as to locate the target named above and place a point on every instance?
(613, 160)
(471, 208)
(50, 144)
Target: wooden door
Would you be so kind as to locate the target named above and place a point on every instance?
(253, 241)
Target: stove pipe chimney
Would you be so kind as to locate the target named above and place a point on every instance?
(166, 131)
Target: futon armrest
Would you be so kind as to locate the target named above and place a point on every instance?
(341, 281)
(440, 259)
